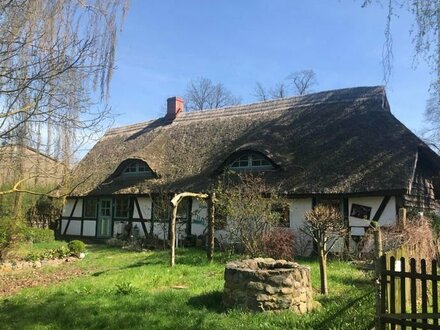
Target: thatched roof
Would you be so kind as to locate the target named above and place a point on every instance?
(340, 141)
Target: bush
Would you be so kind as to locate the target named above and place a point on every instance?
(76, 247)
(278, 243)
(11, 232)
(62, 252)
(39, 235)
(49, 254)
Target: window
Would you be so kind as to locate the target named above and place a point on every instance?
(283, 213)
(136, 167)
(90, 208)
(122, 207)
(251, 161)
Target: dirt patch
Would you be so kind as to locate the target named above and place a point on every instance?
(13, 282)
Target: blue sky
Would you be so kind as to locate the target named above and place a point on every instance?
(165, 44)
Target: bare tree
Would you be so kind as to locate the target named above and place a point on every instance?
(279, 91)
(260, 92)
(203, 94)
(302, 81)
(324, 224)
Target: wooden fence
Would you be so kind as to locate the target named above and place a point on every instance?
(409, 294)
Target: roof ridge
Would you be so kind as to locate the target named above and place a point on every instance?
(262, 106)
(298, 97)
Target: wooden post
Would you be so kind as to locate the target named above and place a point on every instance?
(377, 268)
(174, 204)
(402, 217)
(173, 234)
(211, 219)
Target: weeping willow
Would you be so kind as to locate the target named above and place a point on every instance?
(56, 64)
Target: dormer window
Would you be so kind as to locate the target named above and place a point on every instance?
(251, 161)
(136, 167)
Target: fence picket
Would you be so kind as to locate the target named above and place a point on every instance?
(402, 290)
(424, 290)
(413, 274)
(392, 291)
(434, 290)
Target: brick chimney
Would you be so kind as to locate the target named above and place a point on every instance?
(174, 107)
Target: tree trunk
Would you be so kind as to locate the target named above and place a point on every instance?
(173, 236)
(211, 210)
(323, 270)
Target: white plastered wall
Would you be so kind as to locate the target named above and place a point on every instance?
(89, 228)
(199, 216)
(74, 228)
(388, 216)
(145, 207)
(298, 207)
(67, 209)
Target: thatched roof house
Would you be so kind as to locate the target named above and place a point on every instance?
(343, 146)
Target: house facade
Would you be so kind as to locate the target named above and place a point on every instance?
(341, 147)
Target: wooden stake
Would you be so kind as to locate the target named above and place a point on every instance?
(211, 211)
(402, 217)
(173, 234)
(377, 255)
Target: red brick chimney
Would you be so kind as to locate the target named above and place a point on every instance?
(174, 107)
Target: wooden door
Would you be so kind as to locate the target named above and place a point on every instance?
(105, 218)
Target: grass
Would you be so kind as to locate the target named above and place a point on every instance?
(124, 290)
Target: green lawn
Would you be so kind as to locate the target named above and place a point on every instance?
(120, 290)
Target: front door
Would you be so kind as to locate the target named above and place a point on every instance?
(105, 218)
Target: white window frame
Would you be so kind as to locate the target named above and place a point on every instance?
(246, 162)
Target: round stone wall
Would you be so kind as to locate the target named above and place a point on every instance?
(268, 285)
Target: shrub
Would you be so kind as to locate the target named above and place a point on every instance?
(76, 247)
(278, 243)
(44, 212)
(62, 252)
(249, 205)
(33, 256)
(11, 232)
(39, 235)
(49, 254)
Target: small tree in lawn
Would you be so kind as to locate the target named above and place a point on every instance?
(324, 224)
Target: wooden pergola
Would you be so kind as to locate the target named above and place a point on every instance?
(175, 203)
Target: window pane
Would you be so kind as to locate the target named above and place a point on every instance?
(122, 207)
(250, 161)
(90, 208)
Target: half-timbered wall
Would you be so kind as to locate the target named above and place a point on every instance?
(358, 224)
(71, 222)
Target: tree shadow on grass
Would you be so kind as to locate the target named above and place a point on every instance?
(349, 304)
(212, 301)
(95, 310)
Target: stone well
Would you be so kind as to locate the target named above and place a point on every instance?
(268, 285)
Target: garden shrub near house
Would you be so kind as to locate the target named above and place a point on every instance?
(76, 247)
(248, 204)
(12, 232)
(39, 235)
(278, 243)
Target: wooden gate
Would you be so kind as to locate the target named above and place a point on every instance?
(409, 294)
